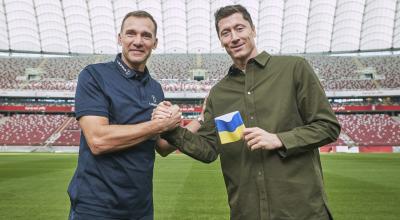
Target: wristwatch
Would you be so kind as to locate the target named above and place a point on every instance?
(200, 120)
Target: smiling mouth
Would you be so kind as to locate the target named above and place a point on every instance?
(238, 47)
(136, 51)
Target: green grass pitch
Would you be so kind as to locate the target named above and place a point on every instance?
(359, 186)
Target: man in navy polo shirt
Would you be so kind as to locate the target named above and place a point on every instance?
(114, 102)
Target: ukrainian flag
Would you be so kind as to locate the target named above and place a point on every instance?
(230, 127)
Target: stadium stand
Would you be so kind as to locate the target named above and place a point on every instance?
(24, 129)
(175, 66)
(65, 68)
(11, 68)
(173, 71)
(337, 73)
(386, 66)
(373, 130)
(70, 136)
(33, 129)
(216, 64)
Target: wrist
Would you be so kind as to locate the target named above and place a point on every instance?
(157, 126)
(200, 119)
(278, 142)
(160, 125)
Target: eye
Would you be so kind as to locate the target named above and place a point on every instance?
(225, 33)
(147, 36)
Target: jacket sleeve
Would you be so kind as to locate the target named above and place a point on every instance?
(320, 125)
(202, 145)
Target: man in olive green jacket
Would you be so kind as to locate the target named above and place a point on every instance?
(274, 171)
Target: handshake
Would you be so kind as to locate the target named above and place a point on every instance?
(167, 115)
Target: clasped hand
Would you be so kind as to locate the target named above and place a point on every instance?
(168, 115)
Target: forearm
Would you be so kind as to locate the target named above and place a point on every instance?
(110, 138)
(164, 148)
(196, 146)
(308, 137)
(193, 126)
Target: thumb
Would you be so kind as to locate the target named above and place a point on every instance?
(247, 131)
(167, 103)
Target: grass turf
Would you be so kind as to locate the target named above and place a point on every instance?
(359, 186)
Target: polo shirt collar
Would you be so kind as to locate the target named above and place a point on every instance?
(261, 59)
(131, 73)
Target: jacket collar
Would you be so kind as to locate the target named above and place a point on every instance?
(261, 59)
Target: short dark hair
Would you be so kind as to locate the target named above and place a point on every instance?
(229, 10)
(140, 14)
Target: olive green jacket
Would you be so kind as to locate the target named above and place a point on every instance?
(282, 95)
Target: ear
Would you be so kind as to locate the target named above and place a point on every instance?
(119, 39)
(220, 41)
(155, 44)
(254, 31)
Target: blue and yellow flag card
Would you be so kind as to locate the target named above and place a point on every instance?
(230, 127)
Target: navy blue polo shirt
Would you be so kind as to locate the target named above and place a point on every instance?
(119, 184)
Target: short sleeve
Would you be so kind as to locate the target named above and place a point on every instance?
(89, 97)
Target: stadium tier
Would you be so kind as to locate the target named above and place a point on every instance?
(70, 135)
(12, 68)
(191, 73)
(61, 130)
(177, 72)
(374, 130)
(68, 138)
(24, 129)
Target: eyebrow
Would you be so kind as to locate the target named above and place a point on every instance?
(142, 33)
(237, 25)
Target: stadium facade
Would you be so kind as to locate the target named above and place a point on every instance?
(351, 44)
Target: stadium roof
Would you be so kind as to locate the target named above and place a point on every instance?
(187, 26)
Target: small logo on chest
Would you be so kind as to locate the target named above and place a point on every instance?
(153, 101)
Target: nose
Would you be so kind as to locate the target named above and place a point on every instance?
(235, 37)
(137, 41)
